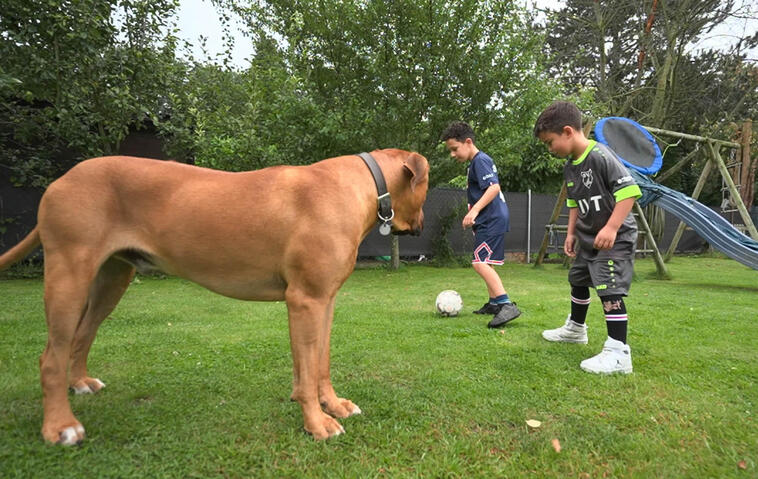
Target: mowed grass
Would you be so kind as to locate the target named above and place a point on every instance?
(198, 385)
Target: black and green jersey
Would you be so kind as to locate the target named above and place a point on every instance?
(595, 182)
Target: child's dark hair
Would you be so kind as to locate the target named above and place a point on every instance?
(556, 116)
(458, 130)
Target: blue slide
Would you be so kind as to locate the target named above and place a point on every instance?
(640, 153)
(707, 223)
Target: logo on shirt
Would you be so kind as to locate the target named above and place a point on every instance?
(624, 179)
(587, 178)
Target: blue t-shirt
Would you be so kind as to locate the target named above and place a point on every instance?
(482, 173)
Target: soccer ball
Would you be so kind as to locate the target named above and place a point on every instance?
(449, 303)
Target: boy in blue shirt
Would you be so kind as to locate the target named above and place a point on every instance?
(487, 216)
(602, 234)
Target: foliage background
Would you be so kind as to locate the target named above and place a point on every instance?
(333, 77)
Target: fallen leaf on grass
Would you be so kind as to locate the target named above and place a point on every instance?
(556, 444)
(533, 423)
(742, 465)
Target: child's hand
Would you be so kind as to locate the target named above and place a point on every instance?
(468, 220)
(605, 238)
(568, 246)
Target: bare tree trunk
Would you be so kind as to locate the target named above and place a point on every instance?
(641, 59)
(601, 68)
(658, 112)
(644, 42)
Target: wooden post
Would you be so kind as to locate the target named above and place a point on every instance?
(696, 192)
(395, 252)
(553, 217)
(663, 272)
(733, 190)
(748, 165)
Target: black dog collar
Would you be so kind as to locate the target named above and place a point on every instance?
(384, 202)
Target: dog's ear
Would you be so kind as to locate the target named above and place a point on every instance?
(417, 167)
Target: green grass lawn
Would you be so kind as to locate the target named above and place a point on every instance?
(198, 385)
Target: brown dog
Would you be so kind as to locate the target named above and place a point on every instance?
(286, 232)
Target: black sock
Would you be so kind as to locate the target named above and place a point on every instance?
(616, 318)
(580, 302)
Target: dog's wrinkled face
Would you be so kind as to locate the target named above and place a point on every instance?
(409, 202)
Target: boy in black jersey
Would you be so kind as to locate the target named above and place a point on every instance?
(487, 216)
(602, 234)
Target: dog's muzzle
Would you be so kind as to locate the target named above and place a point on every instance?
(415, 231)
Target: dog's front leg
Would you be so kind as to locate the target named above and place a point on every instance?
(333, 405)
(306, 324)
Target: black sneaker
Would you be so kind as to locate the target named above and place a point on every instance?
(507, 313)
(489, 308)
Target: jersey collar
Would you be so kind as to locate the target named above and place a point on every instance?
(586, 152)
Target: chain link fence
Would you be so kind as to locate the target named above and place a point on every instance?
(529, 214)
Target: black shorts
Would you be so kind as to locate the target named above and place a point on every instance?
(609, 277)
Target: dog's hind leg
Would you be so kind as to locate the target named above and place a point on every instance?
(104, 294)
(333, 405)
(67, 282)
(306, 315)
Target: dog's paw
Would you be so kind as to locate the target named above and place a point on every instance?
(341, 408)
(67, 436)
(324, 428)
(87, 386)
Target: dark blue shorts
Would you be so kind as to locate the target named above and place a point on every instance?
(489, 248)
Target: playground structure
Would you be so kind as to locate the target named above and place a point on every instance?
(639, 151)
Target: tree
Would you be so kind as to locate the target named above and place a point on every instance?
(393, 74)
(632, 52)
(638, 57)
(86, 71)
(246, 120)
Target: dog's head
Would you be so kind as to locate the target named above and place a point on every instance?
(408, 192)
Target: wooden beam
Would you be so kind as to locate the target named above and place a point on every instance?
(663, 272)
(733, 190)
(685, 136)
(553, 217)
(678, 166)
(695, 194)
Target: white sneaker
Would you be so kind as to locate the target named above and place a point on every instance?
(570, 332)
(616, 357)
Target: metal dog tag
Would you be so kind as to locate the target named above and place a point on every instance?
(385, 228)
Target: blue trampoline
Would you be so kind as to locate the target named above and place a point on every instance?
(640, 153)
(635, 145)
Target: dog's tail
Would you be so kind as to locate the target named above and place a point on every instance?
(21, 250)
